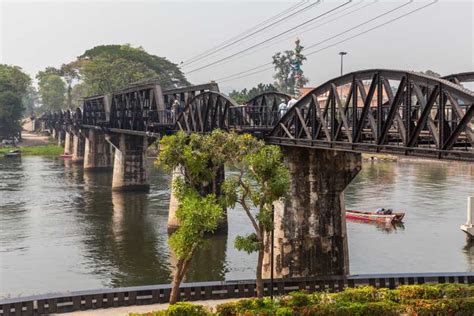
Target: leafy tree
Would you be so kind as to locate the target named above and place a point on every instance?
(107, 68)
(199, 210)
(261, 180)
(14, 84)
(431, 73)
(288, 69)
(78, 92)
(69, 72)
(245, 95)
(52, 89)
(31, 100)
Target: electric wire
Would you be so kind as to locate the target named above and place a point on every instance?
(284, 18)
(339, 42)
(268, 39)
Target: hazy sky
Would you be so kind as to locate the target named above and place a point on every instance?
(37, 34)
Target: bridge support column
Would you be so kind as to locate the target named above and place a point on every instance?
(61, 137)
(68, 143)
(78, 147)
(173, 223)
(97, 153)
(130, 172)
(310, 227)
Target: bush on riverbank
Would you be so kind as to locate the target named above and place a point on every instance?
(420, 300)
(41, 150)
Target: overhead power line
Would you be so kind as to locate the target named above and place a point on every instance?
(269, 39)
(293, 7)
(299, 33)
(332, 45)
(283, 19)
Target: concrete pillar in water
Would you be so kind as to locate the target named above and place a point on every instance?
(97, 153)
(61, 137)
(78, 147)
(68, 143)
(173, 223)
(310, 227)
(130, 172)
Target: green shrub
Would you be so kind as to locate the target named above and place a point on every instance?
(363, 294)
(457, 290)
(256, 306)
(297, 299)
(227, 309)
(408, 292)
(187, 309)
(284, 311)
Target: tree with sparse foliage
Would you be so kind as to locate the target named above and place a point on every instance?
(199, 211)
(431, 73)
(288, 69)
(261, 180)
(14, 85)
(245, 95)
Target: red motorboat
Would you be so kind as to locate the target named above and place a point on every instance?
(66, 156)
(386, 216)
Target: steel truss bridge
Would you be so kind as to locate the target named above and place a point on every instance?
(386, 111)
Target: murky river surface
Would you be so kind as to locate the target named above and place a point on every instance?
(62, 229)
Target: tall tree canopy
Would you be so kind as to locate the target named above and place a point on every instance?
(107, 68)
(289, 74)
(14, 84)
(242, 96)
(52, 89)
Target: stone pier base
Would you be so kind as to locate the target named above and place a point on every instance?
(173, 223)
(97, 152)
(61, 135)
(130, 173)
(78, 147)
(68, 143)
(310, 228)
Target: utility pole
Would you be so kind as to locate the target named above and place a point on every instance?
(342, 61)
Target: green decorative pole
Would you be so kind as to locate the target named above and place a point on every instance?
(296, 65)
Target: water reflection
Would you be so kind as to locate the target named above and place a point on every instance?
(64, 229)
(381, 226)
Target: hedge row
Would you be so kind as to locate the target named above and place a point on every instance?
(419, 300)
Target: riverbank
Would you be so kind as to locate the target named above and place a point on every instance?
(36, 150)
(35, 145)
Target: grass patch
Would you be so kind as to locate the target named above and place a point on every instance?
(41, 150)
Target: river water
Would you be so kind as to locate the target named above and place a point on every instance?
(62, 229)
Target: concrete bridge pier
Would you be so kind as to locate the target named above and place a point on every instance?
(97, 151)
(68, 142)
(130, 172)
(173, 223)
(78, 147)
(61, 135)
(310, 227)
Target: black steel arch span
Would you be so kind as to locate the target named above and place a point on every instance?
(460, 78)
(205, 112)
(387, 111)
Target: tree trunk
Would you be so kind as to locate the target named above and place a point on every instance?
(177, 278)
(181, 268)
(259, 279)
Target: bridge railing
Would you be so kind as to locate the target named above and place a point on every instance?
(253, 117)
(153, 294)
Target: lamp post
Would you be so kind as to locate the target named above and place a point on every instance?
(271, 252)
(342, 61)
